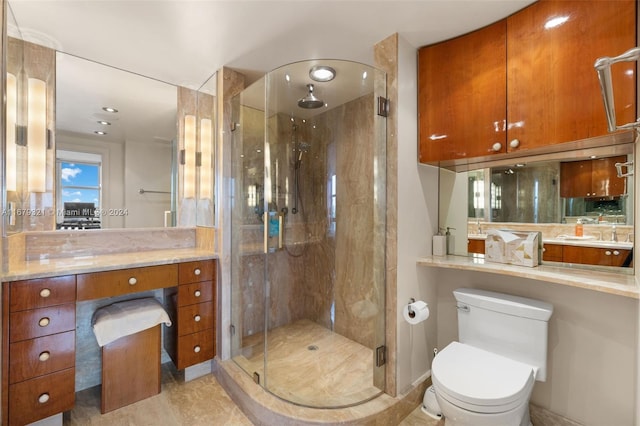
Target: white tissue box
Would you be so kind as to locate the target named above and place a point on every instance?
(514, 248)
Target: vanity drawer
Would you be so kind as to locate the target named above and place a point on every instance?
(193, 272)
(41, 397)
(190, 294)
(38, 293)
(194, 318)
(42, 322)
(195, 348)
(98, 285)
(44, 355)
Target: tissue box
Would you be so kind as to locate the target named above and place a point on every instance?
(512, 247)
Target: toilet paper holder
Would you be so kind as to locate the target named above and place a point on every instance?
(412, 313)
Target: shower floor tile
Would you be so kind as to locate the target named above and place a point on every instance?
(310, 365)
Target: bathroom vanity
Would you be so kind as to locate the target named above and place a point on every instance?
(39, 320)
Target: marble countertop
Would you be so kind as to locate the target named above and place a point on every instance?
(83, 264)
(605, 282)
(574, 241)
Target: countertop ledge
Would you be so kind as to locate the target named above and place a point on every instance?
(45, 268)
(605, 282)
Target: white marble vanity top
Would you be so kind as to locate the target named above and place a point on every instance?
(606, 282)
(105, 262)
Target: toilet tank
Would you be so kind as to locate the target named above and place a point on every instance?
(512, 326)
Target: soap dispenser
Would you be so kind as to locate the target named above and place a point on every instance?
(439, 244)
(450, 241)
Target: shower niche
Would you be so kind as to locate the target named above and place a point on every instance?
(308, 233)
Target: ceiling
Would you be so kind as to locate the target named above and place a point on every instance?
(183, 42)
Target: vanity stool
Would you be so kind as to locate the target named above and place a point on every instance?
(129, 334)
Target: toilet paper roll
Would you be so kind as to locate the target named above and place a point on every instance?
(419, 312)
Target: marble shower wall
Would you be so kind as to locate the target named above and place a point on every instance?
(325, 271)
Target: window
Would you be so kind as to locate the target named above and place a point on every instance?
(79, 177)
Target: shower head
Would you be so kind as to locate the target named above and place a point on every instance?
(310, 101)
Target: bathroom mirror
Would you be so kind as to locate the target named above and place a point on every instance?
(115, 137)
(550, 194)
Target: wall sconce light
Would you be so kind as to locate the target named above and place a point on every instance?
(189, 157)
(206, 188)
(37, 135)
(12, 116)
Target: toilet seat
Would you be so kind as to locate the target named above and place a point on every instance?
(479, 380)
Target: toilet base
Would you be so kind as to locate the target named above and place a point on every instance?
(455, 416)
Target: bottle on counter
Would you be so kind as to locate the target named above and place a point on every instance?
(579, 229)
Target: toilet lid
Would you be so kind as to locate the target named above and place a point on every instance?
(479, 380)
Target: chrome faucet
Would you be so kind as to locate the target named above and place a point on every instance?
(479, 230)
(614, 234)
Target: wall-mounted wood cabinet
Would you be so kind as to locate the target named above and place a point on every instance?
(525, 82)
(587, 255)
(592, 178)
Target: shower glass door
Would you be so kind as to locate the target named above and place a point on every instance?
(309, 234)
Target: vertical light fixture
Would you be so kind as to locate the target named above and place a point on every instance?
(189, 160)
(206, 188)
(12, 115)
(37, 135)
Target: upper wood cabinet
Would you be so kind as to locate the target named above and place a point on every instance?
(524, 83)
(462, 95)
(553, 94)
(592, 178)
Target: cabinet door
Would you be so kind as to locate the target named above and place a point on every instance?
(605, 180)
(575, 179)
(553, 94)
(462, 96)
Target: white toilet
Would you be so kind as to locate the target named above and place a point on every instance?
(487, 377)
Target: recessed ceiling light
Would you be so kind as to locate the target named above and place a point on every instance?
(104, 123)
(100, 132)
(109, 109)
(322, 73)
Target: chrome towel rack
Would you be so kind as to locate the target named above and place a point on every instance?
(144, 191)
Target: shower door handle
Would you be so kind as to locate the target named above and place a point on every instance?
(280, 223)
(265, 220)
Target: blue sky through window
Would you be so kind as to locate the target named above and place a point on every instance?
(80, 182)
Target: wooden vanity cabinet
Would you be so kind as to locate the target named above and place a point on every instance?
(38, 348)
(552, 252)
(516, 85)
(587, 255)
(592, 178)
(193, 307)
(462, 96)
(475, 246)
(553, 94)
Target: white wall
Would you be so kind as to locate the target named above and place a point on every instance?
(417, 221)
(147, 166)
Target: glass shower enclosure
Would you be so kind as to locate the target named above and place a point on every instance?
(308, 233)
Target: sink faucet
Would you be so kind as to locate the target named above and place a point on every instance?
(614, 234)
(479, 231)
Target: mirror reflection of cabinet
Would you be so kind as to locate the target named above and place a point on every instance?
(592, 178)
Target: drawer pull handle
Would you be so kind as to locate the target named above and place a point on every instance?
(43, 398)
(197, 318)
(44, 356)
(45, 292)
(44, 322)
(133, 281)
(197, 271)
(514, 143)
(608, 252)
(197, 293)
(496, 147)
(616, 252)
(196, 348)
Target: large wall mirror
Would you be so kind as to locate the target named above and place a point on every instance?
(582, 202)
(119, 150)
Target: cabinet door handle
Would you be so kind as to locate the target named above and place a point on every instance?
(44, 356)
(197, 271)
(514, 143)
(45, 292)
(44, 322)
(196, 348)
(197, 293)
(197, 318)
(496, 146)
(616, 252)
(133, 281)
(608, 252)
(43, 398)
